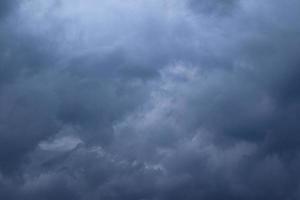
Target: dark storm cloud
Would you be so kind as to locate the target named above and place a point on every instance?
(97, 103)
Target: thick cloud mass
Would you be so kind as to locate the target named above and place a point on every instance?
(149, 100)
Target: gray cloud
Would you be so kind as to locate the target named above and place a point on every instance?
(189, 100)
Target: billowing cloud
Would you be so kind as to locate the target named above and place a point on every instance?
(152, 100)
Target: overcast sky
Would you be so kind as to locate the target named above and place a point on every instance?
(149, 100)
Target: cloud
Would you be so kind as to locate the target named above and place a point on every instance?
(151, 100)
(6, 6)
(220, 7)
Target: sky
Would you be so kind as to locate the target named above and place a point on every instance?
(149, 100)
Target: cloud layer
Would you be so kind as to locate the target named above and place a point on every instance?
(149, 100)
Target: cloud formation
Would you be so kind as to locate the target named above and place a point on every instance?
(149, 100)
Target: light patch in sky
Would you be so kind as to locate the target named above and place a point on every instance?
(61, 144)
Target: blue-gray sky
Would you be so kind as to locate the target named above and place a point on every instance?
(149, 99)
